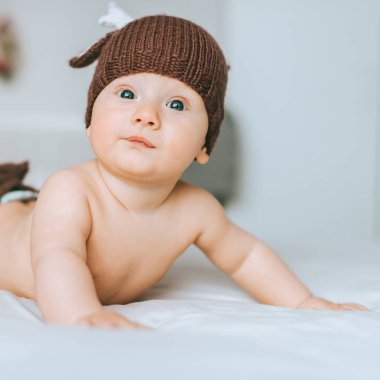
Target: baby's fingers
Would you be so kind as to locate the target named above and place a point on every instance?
(92, 320)
(351, 307)
(108, 320)
(121, 321)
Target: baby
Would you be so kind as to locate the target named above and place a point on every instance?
(107, 230)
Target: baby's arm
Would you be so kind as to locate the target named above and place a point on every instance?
(64, 286)
(254, 266)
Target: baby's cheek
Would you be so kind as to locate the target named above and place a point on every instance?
(185, 156)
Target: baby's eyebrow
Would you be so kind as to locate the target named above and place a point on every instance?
(122, 84)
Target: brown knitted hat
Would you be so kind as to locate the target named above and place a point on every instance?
(165, 45)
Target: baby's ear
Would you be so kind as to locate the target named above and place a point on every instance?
(202, 157)
(91, 54)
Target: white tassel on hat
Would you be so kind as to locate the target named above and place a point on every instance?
(116, 17)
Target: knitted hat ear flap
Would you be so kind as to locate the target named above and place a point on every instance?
(91, 54)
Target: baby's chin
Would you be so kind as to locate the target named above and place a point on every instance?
(145, 165)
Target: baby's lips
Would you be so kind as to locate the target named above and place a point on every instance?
(142, 140)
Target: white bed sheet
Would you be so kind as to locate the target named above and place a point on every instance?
(205, 327)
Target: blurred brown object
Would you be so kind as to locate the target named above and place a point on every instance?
(8, 49)
(11, 177)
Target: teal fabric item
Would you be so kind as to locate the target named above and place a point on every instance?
(18, 195)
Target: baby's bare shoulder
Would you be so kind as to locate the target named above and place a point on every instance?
(74, 180)
(196, 200)
(62, 206)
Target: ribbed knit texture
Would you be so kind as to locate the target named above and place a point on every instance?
(165, 45)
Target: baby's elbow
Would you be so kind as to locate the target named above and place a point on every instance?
(226, 261)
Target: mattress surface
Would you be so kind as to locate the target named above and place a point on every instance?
(204, 326)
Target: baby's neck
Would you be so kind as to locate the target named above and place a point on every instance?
(136, 196)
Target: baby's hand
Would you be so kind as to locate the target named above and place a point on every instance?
(315, 303)
(108, 319)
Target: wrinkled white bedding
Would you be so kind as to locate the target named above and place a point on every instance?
(207, 328)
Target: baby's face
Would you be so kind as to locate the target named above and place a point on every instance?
(148, 125)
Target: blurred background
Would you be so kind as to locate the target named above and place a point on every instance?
(298, 161)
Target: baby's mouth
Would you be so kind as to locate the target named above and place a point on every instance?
(140, 141)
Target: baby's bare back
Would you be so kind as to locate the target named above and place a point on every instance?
(15, 268)
(127, 253)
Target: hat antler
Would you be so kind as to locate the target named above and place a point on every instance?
(91, 54)
(116, 17)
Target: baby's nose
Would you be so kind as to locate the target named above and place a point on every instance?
(146, 117)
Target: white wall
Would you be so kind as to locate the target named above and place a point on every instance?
(376, 216)
(302, 90)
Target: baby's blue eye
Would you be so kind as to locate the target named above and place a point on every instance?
(127, 94)
(176, 105)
